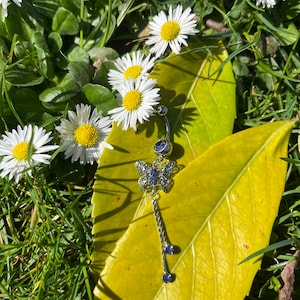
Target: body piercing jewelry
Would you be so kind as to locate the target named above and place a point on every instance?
(155, 177)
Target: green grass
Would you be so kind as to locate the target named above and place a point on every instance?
(45, 222)
(45, 241)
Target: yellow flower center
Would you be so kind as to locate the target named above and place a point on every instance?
(133, 72)
(170, 30)
(132, 100)
(20, 151)
(86, 135)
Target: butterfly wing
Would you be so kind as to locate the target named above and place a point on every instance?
(143, 169)
(164, 179)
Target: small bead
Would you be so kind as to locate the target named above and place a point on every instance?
(162, 110)
(169, 249)
(163, 147)
(167, 278)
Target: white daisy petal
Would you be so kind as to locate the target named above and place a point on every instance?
(171, 30)
(41, 158)
(4, 8)
(130, 67)
(266, 3)
(14, 149)
(138, 100)
(18, 2)
(84, 134)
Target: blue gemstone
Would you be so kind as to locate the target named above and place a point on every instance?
(153, 171)
(162, 110)
(160, 146)
(167, 277)
(163, 147)
(169, 249)
(153, 176)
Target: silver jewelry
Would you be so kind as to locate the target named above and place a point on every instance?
(155, 177)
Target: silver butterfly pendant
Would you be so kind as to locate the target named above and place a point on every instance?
(155, 176)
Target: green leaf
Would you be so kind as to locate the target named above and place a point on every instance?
(73, 6)
(45, 63)
(43, 54)
(284, 36)
(81, 72)
(39, 41)
(65, 22)
(23, 51)
(217, 217)
(55, 42)
(99, 96)
(46, 8)
(16, 25)
(64, 91)
(290, 9)
(3, 47)
(287, 36)
(78, 54)
(102, 70)
(102, 54)
(20, 75)
(27, 104)
(201, 112)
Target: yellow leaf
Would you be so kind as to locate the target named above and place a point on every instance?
(220, 210)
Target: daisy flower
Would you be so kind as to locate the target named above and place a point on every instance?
(4, 4)
(266, 3)
(84, 134)
(128, 67)
(171, 30)
(23, 148)
(137, 99)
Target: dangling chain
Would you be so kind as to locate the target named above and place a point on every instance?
(155, 177)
